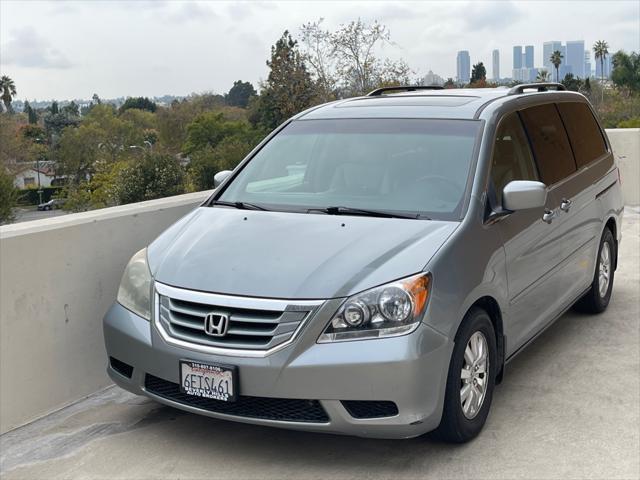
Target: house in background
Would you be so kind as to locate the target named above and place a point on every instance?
(27, 177)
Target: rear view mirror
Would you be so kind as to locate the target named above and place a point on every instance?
(220, 177)
(523, 195)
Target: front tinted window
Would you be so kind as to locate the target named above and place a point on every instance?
(549, 141)
(395, 165)
(512, 158)
(584, 132)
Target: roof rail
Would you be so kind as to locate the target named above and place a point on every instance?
(540, 87)
(379, 91)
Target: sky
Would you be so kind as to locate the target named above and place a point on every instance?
(73, 49)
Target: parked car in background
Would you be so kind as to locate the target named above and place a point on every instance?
(52, 204)
(371, 267)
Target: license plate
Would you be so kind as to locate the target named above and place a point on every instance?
(208, 381)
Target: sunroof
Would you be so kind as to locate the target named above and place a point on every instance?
(410, 101)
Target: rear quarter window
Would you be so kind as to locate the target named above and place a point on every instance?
(584, 133)
(549, 142)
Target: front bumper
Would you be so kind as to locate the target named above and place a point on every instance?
(410, 371)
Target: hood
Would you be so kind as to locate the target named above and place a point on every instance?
(291, 255)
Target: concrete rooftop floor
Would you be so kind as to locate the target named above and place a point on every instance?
(569, 407)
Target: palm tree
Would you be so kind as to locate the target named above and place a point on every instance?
(543, 76)
(601, 49)
(556, 59)
(8, 89)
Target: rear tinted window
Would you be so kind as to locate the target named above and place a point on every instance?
(549, 141)
(584, 134)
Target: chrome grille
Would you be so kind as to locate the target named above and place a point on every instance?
(254, 324)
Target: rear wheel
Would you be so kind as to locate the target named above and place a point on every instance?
(471, 379)
(597, 298)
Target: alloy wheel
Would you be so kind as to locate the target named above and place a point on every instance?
(474, 375)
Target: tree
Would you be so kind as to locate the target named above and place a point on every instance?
(8, 196)
(141, 103)
(53, 108)
(288, 89)
(240, 94)
(478, 72)
(32, 115)
(8, 89)
(71, 110)
(626, 70)
(601, 50)
(572, 83)
(209, 129)
(543, 75)
(450, 83)
(156, 175)
(556, 59)
(318, 54)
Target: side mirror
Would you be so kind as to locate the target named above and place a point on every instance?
(220, 177)
(523, 195)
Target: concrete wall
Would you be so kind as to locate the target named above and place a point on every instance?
(58, 277)
(626, 147)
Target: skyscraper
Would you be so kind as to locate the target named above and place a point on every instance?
(528, 56)
(496, 64)
(574, 59)
(547, 49)
(607, 67)
(463, 64)
(587, 64)
(517, 57)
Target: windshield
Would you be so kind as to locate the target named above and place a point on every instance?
(409, 166)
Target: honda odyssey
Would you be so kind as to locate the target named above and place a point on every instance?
(371, 267)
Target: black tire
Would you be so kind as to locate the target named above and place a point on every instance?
(593, 301)
(47, 208)
(455, 427)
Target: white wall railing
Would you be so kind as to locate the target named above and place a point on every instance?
(59, 276)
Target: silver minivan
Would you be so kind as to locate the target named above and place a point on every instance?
(374, 263)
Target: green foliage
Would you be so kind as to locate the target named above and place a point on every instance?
(573, 83)
(71, 110)
(208, 129)
(32, 115)
(626, 70)
(141, 103)
(30, 196)
(53, 109)
(478, 72)
(614, 106)
(8, 196)
(155, 175)
(631, 123)
(240, 94)
(288, 89)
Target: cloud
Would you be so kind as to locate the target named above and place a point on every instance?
(190, 11)
(489, 15)
(28, 48)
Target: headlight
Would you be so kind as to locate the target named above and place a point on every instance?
(386, 311)
(135, 287)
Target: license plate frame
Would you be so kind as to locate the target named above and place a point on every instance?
(214, 372)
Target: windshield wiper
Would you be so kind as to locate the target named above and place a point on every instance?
(239, 205)
(366, 212)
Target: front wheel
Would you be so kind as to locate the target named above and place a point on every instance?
(471, 379)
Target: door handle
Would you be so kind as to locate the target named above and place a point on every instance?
(549, 215)
(565, 205)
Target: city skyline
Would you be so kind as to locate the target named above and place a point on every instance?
(143, 48)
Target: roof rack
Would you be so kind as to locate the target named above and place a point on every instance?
(379, 91)
(540, 87)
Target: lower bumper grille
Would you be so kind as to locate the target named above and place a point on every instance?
(370, 409)
(282, 409)
(122, 368)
